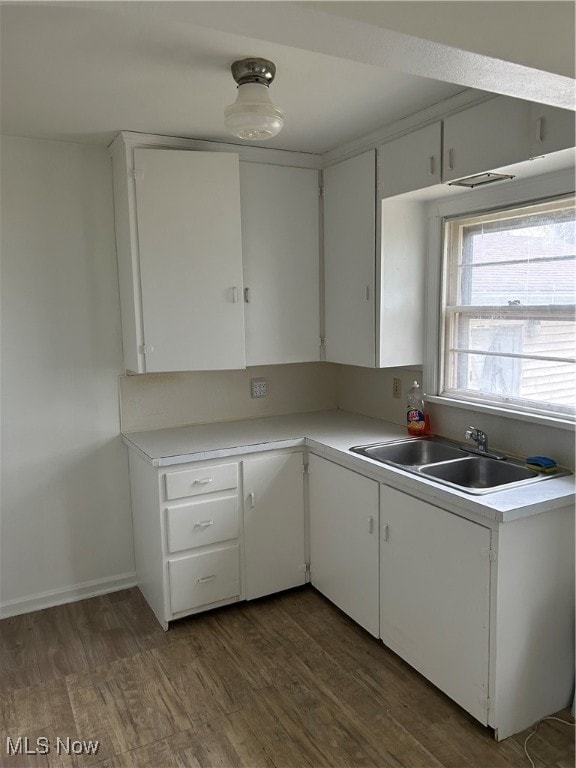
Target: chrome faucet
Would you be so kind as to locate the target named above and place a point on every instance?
(481, 440)
(479, 437)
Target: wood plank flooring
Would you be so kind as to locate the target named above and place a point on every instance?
(283, 682)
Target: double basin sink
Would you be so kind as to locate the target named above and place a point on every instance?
(450, 464)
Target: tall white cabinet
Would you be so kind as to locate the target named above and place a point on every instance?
(281, 260)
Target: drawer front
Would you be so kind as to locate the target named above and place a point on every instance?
(193, 482)
(202, 579)
(202, 522)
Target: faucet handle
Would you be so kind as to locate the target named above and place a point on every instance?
(470, 433)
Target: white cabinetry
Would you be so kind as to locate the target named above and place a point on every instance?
(488, 136)
(349, 260)
(186, 536)
(410, 162)
(273, 523)
(178, 232)
(344, 540)
(487, 615)
(551, 129)
(435, 596)
(281, 247)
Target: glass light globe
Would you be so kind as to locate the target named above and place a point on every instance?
(253, 116)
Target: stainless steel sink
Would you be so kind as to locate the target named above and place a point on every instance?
(412, 452)
(478, 473)
(449, 463)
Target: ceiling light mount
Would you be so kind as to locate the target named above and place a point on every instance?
(253, 116)
(262, 71)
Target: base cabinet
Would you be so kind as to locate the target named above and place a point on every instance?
(344, 540)
(200, 545)
(435, 596)
(483, 611)
(273, 524)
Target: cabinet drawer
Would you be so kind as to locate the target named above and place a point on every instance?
(202, 579)
(193, 482)
(202, 522)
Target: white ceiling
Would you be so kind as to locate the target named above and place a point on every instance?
(84, 71)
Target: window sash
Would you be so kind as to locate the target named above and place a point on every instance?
(456, 316)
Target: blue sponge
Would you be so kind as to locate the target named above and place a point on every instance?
(541, 463)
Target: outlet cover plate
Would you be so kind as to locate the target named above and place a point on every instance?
(257, 388)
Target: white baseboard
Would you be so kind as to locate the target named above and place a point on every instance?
(69, 595)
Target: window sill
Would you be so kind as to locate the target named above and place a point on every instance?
(560, 422)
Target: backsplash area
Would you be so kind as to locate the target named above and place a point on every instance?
(157, 400)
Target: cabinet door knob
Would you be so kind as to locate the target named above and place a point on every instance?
(385, 532)
(203, 481)
(370, 524)
(234, 294)
(432, 165)
(204, 579)
(247, 295)
(252, 500)
(540, 130)
(204, 524)
(450, 159)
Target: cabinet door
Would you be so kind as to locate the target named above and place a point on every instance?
(486, 137)
(344, 540)
(273, 524)
(551, 129)
(434, 595)
(190, 249)
(281, 256)
(410, 162)
(349, 260)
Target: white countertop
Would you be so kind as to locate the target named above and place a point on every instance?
(331, 434)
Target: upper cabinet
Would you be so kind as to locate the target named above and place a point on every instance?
(349, 260)
(180, 259)
(488, 136)
(551, 129)
(373, 282)
(411, 162)
(219, 260)
(281, 260)
(494, 134)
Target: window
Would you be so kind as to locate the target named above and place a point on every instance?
(508, 308)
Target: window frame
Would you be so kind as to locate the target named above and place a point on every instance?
(474, 203)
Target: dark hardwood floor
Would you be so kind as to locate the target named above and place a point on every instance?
(283, 682)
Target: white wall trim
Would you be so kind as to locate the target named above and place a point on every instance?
(68, 595)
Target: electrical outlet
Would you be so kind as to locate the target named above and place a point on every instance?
(396, 388)
(257, 388)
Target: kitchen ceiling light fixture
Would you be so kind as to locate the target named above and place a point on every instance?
(253, 116)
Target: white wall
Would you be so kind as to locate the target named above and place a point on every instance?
(65, 520)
